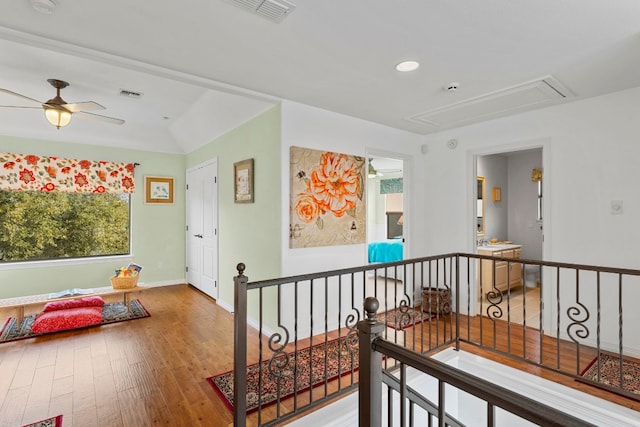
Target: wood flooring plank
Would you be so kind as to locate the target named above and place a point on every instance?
(86, 417)
(107, 406)
(83, 381)
(64, 360)
(62, 405)
(62, 386)
(132, 408)
(47, 356)
(13, 407)
(40, 392)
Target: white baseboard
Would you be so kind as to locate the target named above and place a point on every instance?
(250, 321)
(225, 306)
(163, 283)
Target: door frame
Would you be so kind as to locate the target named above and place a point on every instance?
(406, 197)
(472, 160)
(212, 161)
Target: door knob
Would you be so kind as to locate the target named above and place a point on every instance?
(199, 236)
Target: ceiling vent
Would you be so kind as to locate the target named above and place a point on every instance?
(273, 10)
(130, 93)
(517, 99)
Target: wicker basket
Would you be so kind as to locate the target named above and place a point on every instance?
(124, 282)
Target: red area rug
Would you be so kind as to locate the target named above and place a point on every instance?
(265, 387)
(609, 368)
(111, 313)
(400, 319)
(49, 422)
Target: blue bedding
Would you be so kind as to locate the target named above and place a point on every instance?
(387, 251)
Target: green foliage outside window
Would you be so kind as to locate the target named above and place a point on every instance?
(42, 226)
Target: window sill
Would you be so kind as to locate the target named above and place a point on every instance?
(25, 265)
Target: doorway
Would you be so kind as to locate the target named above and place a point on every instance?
(387, 223)
(202, 228)
(512, 228)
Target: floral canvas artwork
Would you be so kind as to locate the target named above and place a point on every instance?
(327, 199)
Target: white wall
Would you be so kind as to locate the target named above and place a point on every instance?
(376, 218)
(495, 171)
(590, 157)
(305, 126)
(591, 154)
(522, 200)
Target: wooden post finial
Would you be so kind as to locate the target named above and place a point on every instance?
(240, 267)
(371, 306)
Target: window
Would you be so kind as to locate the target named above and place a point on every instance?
(57, 225)
(539, 200)
(56, 208)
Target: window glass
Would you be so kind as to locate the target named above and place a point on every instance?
(56, 225)
(539, 200)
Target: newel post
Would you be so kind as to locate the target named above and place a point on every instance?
(370, 381)
(240, 348)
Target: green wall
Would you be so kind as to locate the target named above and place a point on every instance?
(158, 239)
(248, 232)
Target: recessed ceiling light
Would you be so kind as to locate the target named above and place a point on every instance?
(406, 66)
(45, 7)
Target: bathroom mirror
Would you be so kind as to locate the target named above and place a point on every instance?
(480, 206)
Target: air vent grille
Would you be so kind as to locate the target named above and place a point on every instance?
(524, 97)
(272, 10)
(130, 93)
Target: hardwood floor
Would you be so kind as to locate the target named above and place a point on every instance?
(147, 372)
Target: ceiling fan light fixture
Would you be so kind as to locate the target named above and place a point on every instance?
(57, 116)
(372, 172)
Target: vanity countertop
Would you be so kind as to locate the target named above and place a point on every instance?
(498, 247)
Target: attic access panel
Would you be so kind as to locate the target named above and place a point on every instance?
(516, 99)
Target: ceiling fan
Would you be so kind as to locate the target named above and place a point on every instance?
(58, 112)
(372, 171)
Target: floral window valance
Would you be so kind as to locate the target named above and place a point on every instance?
(41, 173)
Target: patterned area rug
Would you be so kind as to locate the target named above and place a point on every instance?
(610, 373)
(49, 422)
(111, 313)
(341, 360)
(398, 319)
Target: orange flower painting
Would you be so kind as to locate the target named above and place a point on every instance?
(327, 202)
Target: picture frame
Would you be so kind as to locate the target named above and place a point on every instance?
(243, 181)
(497, 194)
(158, 189)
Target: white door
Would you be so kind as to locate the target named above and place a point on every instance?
(202, 228)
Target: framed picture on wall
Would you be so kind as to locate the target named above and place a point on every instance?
(497, 194)
(243, 181)
(158, 189)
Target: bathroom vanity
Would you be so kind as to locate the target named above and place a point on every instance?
(507, 274)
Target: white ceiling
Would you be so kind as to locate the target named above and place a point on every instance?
(208, 65)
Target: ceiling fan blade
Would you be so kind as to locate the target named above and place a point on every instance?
(77, 107)
(98, 117)
(21, 106)
(10, 92)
